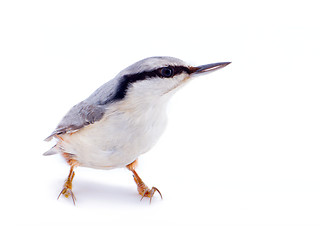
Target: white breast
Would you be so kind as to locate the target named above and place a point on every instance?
(126, 131)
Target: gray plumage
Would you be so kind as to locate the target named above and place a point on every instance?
(125, 117)
(93, 108)
(79, 116)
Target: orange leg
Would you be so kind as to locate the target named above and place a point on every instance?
(143, 190)
(67, 187)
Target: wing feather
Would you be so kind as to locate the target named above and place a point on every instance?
(78, 117)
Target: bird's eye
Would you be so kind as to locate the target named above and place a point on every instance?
(167, 72)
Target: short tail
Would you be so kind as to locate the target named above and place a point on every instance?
(51, 151)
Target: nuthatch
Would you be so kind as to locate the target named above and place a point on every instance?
(123, 118)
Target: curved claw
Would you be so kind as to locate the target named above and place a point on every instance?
(67, 192)
(142, 188)
(150, 193)
(67, 187)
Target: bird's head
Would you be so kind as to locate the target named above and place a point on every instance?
(155, 77)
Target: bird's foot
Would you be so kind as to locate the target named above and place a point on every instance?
(67, 192)
(67, 187)
(143, 190)
(149, 193)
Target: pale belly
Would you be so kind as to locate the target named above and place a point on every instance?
(115, 141)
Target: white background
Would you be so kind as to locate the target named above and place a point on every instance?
(246, 154)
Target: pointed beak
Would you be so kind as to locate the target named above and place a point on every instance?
(208, 67)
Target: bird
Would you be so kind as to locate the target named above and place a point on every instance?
(122, 119)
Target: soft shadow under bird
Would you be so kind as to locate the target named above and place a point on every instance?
(123, 118)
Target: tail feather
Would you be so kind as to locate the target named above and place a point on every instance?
(51, 151)
(49, 138)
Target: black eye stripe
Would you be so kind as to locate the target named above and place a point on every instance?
(126, 80)
(155, 73)
(158, 72)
